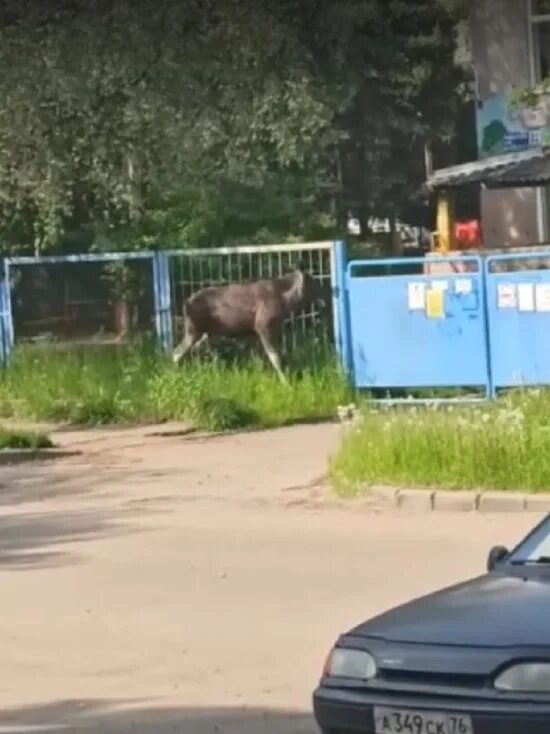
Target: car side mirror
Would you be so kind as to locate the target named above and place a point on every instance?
(496, 555)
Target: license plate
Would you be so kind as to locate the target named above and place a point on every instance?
(404, 721)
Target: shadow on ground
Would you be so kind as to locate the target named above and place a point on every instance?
(39, 540)
(40, 481)
(62, 717)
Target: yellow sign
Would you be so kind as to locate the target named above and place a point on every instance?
(435, 303)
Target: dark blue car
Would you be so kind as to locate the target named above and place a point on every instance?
(470, 659)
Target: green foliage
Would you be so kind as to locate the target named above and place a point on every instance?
(530, 96)
(505, 445)
(98, 386)
(223, 414)
(124, 282)
(127, 124)
(23, 440)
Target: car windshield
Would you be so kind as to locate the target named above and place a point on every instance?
(535, 548)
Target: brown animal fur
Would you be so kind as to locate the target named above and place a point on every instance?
(239, 309)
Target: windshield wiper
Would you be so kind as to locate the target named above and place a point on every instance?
(542, 560)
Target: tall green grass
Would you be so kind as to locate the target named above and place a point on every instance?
(504, 445)
(23, 440)
(137, 384)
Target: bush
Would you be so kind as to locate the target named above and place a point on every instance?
(23, 440)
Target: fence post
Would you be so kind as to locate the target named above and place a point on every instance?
(3, 328)
(6, 318)
(483, 266)
(163, 301)
(341, 307)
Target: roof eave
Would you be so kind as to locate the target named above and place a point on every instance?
(479, 172)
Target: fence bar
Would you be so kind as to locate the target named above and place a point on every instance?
(252, 249)
(517, 256)
(7, 314)
(163, 301)
(381, 262)
(4, 348)
(342, 321)
(83, 258)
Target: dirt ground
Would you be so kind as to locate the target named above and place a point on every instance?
(167, 583)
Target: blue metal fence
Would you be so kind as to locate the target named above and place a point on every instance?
(411, 330)
(73, 307)
(518, 312)
(159, 280)
(486, 328)
(396, 327)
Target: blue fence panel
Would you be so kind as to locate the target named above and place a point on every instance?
(160, 285)
(416, 330)
(518, 308)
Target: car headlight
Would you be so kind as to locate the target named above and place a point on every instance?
(526, 678)
(346, 662)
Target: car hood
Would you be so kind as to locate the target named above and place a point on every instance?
(493, 610)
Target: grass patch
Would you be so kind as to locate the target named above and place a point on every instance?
(23, 440)
(137, 384)
(504, 445)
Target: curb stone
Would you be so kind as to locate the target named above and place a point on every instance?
(501, 502)
(386, 495)
(459, 501)
(427, 500)
(537, 503)
(19, 456)
(417, 501)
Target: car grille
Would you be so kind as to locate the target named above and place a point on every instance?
(452, 680)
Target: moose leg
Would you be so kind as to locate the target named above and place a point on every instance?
(269, 348)
(184, 348)
(190, 341)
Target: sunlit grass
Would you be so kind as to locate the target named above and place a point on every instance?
(137, 384)
(502, 445)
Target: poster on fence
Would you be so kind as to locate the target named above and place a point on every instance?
(542, 297)
(435, 303)
(417, 296)
(526, 297)
(506, 297)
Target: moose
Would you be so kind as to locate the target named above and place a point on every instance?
(240, 309)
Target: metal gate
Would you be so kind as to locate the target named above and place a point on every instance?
(412, 330)
(74, 298)
(192, 269)
(168, 278)
(518, 309)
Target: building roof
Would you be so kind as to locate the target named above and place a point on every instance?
(526, 168)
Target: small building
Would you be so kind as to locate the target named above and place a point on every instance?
(510, 52)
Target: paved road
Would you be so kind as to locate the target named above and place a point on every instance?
(162, 584)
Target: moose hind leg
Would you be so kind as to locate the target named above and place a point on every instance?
(273, 355)
(190, 341)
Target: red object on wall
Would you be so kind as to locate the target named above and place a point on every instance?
(468, 234)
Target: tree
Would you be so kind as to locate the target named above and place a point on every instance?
(395, 61)
(139, 124)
